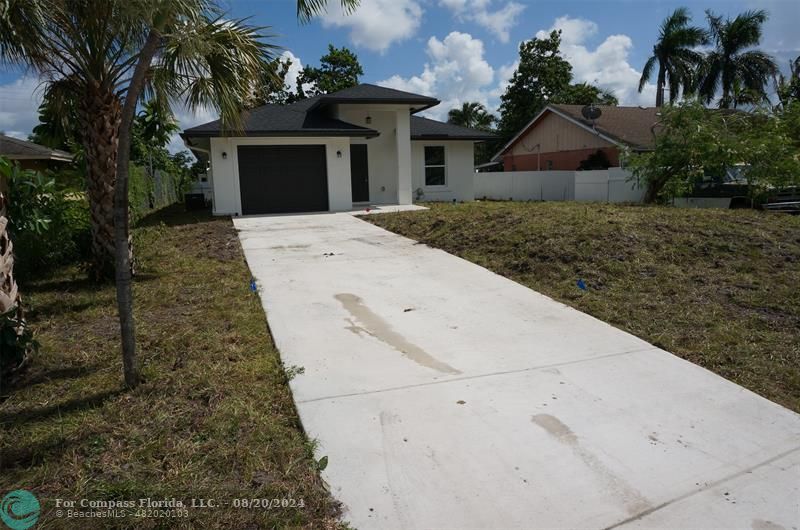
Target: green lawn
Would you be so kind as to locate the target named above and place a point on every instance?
(720, 288)
(214, 419)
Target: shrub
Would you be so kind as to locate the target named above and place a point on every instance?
(49, 226)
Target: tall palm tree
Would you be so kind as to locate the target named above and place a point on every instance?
(108, 54)
(788, 88)
(731, 66)
(674, 52)
(473, 115)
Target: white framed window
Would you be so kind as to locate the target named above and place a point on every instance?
(435, 167)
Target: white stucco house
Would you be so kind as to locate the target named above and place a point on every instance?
(358, 146)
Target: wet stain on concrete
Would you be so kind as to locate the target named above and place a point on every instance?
(761, 524)
(633, 501)
(366, 321)
(288, 247)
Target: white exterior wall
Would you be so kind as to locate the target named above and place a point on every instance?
(388, 155)
(403, 143)
(227, 197)
(459, 171)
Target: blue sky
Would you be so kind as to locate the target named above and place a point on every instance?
(459, 50)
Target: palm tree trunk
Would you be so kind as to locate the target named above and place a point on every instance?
(100, 118)
(662, 80)
(122, 255)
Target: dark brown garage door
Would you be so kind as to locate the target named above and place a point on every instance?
(282, 179)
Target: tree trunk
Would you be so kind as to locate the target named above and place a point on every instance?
(122, 255)
(654, 187)
(660, 86)
(100, 118)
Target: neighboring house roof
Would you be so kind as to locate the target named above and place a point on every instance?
(427, 129)
(624, 126)
(307, 118)
(16, 149)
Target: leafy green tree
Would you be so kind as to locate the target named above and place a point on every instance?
(675, 55)
(695, 144)
(542, 73)
(109, 54)
(338, 69)
(585, 94)
(732, 66)
(473, 115)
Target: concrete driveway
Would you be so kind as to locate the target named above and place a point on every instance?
(446, 396)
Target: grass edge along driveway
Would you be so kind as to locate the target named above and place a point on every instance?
(214, 419)
(716, 287)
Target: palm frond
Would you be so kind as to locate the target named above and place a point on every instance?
(647, 72)
(708, 76)
(214, 63)
(21, 42)
(307, 9)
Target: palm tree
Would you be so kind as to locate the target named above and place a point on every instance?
(108, 54)
(788, 88)
(473, 115)
(676, 58)
(731, 66)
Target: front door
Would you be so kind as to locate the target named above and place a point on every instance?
(359, 172)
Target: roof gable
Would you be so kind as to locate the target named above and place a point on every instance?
(623, 126)
(367, 93)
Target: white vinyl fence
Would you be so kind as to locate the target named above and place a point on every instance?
(611, 185)
(526, 185)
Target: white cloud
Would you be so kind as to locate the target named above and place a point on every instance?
(606, 66)
(504, 74)
(499, 22)
(377, 24)
(295, 68)
(186, 119)
(19, 104)
(456, 73)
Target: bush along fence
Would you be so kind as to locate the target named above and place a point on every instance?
(49, 221)
(152, 192)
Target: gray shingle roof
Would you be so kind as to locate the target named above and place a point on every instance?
(14, 148)
(427, 129)
(632, 126)
(306, 117)
(286, 120)
(366, 93)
